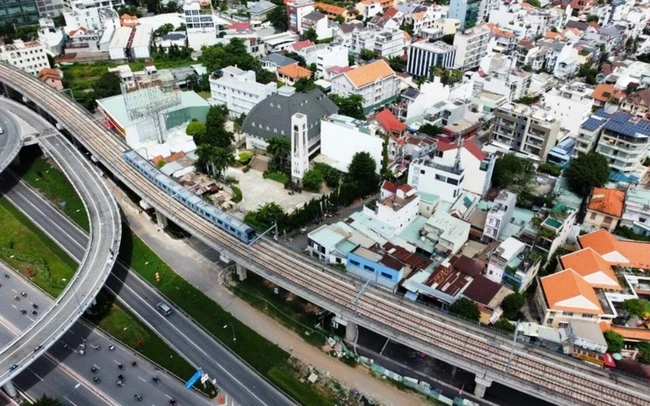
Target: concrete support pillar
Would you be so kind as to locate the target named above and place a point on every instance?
(454, 369)
(161, 220)
(241, 272)
(481, 385)
(16, 161)
(10, 389)
(351, 332)
(94, 302)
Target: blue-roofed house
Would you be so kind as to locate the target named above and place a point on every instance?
(624, 141)
(589, 132)
(272, 62)
(560, 155)
(260, 9)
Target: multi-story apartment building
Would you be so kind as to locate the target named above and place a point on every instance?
(324, 56)
(512, 263)
(296, 10)
(530, 130)
(636, 211)
(385, 43)
(27, 56)
(471, 45)
(589, 132)
(466, 11)
(438, 179)
(49, 8)
(18, 12)
(499, 215)
(571, 104)
(423, 55)
(200, 24)
(238, 90)
(637, 103)
(94, 15)
(397, 206)
(376, 82)
(625, 142)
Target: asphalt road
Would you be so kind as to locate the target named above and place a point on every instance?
(58, 372)
(95, 265)
(243, 384)
(10, 140)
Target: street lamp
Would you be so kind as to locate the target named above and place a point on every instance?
(512, 349)
(71, 93)
(233, 332)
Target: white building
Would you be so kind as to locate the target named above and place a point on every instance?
(95, 15)
(376, 82)
(50, 37)
(433, 178)
(27, 56)
(471, 45)
(423, 55)
(397, 206)
(119, 46)
(140, 45)
(324, 56)
(566, 64)
(299, 147)
(278, 42)
(502, 256)
(354, 135)
(571, 104)
(499, 215)
(296, 11)
(200, 24)
(511, 83)
(448, 233)
(385, 43)
(318, 22)
(477, 165)
(238, 90)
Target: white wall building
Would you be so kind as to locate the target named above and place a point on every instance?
(299, 147)
(502, 256)
(91, 14)
(140, 44)
(477, 165)
(571, 104)
(433, 178)
(296, 11)
(471, 45)
(376, 82)
(499, 215)
(433, 92)
(238, 90)
(325, 56)
(342, 137)
(119, 46)
(446, 231)
(423, 55)
(397, 206)
(200, 24)
(27, 56)
(384, 43)
(278, 42)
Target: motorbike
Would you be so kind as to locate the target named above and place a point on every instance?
(94, 369)
(155, 379)
(134, 364)
(120, 366)
(96, 379)
(138, 398)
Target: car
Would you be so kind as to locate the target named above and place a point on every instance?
(164, 309)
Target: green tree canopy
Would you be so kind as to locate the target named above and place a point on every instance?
(587, 172)
(296, 57)
(46, 401)
(304, 85)
(266, 216)
(367, 54)
(512, 304)
(504, 325)
(213, 160)
(195, 129)
(312, 180)
(644, 352)
(430, 129)
(279, 147)
(351, 106)
(511, 171)
(361, 171)
(397, 63)
(310, 35)
(636, 307)
(614, 340)
(163, 30)
(466, 309)
(278, 18)
(331, 175)
(219, 56)
(107, 85)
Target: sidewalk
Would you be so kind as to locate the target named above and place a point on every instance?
(203, 274)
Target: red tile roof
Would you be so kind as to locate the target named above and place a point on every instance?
(239, 26)
(608, 201)
(444, 145)
(390, 186)
(389, 122)
(302, 44)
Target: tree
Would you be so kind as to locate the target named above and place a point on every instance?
(636, 307)
(362, 172)
(430, 129)
(278, 18)
(397, 64)
(237, 54)
(592, 18)
(213, 160)
(504, 325)
(589, 72)
(163, 30)
(107, 85)
(301, 61)
(351, 106)
(310, 35)
(511, 305)
(614, 340)
(644, 352)
(195, 129)
(266, 216)
(339, 19)
(510, 171)
(212, 57)
(331, 176)
(586, 172)
(46, 401)
(215, 131)
(367, 54)
(312, 180)
(466, 309)
(304, 85)
(279, 147)
(263, 76)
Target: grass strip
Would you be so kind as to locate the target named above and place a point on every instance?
(39, 173)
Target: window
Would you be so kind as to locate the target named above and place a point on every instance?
(567, 314)
(422, 171)
(355, 263)
(369, 268)
(386, 275)
(593, 215)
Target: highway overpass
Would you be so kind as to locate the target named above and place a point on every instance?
(491, 357)
(93, 270)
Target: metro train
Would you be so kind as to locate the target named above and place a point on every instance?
(224, 221)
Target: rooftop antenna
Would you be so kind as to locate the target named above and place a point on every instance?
(459, 143)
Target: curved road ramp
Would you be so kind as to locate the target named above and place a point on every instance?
(103, 244)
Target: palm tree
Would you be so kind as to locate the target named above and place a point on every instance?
(204, 161)
(279, 147)
(221, 159)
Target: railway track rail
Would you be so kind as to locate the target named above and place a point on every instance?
(544, 374)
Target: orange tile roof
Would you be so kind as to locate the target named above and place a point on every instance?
(48, 73)
(389, 122)
(369, 73)
(566, 285)
(608, 201)
(617, 252)
(604, 92)
(175, 156)
(634, 334)
(587, 262)
(551, 35)
(294, 71)
(331, 8)
(502, 33)
(407, 36)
